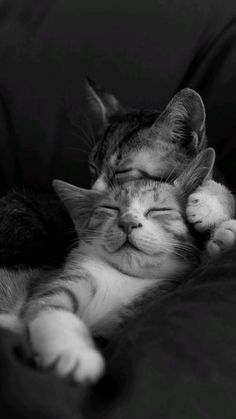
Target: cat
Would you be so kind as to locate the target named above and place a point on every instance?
(136, 144)
(133, 238)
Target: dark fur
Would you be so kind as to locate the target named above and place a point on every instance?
(34, 230)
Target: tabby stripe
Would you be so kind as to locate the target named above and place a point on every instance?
(70, 294)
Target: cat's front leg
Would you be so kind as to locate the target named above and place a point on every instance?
(60, 339)
(210, 205)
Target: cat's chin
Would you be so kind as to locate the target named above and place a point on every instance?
(130, 247)
(126, 246)
(133, 262)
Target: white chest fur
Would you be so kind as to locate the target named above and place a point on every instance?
(111, 294)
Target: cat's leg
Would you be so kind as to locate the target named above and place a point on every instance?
(60, 339)
(223, 238)
(58, 336)
(209, 206)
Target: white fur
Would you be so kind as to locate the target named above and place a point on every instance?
(223, 238)
(59, 337)
(209, 205)
(62, 338)
(114, 291)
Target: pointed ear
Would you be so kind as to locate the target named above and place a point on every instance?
(183, 120)
(79, 202)
(103, 104)
(197, 172)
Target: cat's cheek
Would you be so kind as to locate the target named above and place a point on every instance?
(98, 220)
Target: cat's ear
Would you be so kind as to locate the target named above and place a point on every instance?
(183, 120)
(197, 172)
(103, 104)
(79, 202)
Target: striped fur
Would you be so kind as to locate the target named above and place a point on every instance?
(135, 239)
(148, 144)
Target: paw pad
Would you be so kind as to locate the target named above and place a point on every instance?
(204, 211)
(224, 238)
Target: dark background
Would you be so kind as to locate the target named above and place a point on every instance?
(141, 51)
(178, 359)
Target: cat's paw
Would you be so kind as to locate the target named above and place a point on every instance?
(81, 364)
(223, 238)
(62, 341)
(204, 210)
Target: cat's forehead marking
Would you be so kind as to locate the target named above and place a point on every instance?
(132, 141)
(155, 193)
(124, 129)
(144, 192)
(151, 159)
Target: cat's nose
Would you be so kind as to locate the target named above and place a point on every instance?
(129, 223)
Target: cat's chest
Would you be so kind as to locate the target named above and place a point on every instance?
(112, 293)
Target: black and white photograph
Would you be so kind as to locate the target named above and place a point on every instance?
(117, 209)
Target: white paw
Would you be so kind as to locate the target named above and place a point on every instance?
(81, 364)
(204, 210)
(224, 238)
(60, 340)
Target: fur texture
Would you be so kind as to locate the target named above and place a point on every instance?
(133, 238)
(145, 144)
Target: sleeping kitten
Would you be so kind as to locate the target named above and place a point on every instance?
(136, 144)
(133, 238)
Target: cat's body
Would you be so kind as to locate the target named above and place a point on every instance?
(99, 283)
(34, 231)
(133, 238)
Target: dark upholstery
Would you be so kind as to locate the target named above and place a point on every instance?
(178, 359)
(143, 51)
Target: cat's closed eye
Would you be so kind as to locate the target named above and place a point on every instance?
(128, 174)
(107, 209)
(155, 212)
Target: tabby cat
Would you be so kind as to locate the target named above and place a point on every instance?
(133, 238)
(136, 144)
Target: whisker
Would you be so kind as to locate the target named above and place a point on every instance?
(74, 149)
(89, 142)
(184, 248)
(112, 182)
(90, 128)
(71, 116)
(169, 176)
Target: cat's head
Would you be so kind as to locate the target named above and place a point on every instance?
(139, 227)
(144, 144)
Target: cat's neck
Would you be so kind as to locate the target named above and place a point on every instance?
(112, 290)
